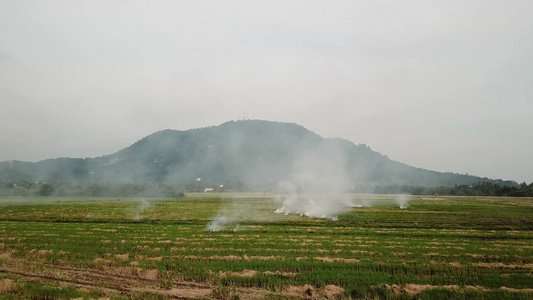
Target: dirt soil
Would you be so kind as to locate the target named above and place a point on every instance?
(333, 292)
(6, 284)
(304, 291)
(128, 281)
(413, 289)
(114, 281)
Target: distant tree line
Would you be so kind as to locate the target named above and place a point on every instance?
(62, 189)
(42, 189)
(477, 189)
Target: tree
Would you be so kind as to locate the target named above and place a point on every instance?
(46, 190)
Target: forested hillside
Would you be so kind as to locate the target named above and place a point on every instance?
(243, 155)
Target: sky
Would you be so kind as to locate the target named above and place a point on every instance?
(440, 85)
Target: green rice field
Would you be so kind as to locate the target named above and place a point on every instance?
(436, 248)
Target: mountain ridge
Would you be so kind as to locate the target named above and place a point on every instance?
(259, 154)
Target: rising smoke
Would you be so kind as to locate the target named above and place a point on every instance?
(402, 200)
(228, 216)
(235, 212)
(318, 176)
(316, 184)
(317, 172)
(327, 206)
(361, 201)
(139, 210)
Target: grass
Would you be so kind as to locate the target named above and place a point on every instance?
(438, 248)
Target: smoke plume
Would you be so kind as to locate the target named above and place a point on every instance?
(138, 213)
(235, 212)
(402, 200)
(316, 173)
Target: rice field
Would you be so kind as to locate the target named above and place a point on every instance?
(437, 248)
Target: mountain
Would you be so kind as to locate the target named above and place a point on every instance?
(255, 154)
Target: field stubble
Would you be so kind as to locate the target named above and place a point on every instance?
(458, 248)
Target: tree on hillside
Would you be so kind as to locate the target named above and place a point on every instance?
(46, 190)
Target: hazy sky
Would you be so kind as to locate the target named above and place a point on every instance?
(442, 85)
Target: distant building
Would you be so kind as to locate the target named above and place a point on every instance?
(208, 190)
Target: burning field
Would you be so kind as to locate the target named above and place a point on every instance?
(360, 247)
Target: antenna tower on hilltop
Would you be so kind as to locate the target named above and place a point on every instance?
(245, 115)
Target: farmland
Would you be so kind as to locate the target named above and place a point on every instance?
(437, 248)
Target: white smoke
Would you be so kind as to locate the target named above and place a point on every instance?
(361, 201)
(138, 213)
(219, 223)
(234, 212)
(316, 185)
(322, 173)
(402, 200)
(313, 207)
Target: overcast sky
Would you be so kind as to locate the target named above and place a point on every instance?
(441, 85)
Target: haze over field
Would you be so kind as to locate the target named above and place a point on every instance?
(443, 86)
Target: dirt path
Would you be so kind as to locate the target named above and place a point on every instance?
(109, 282)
